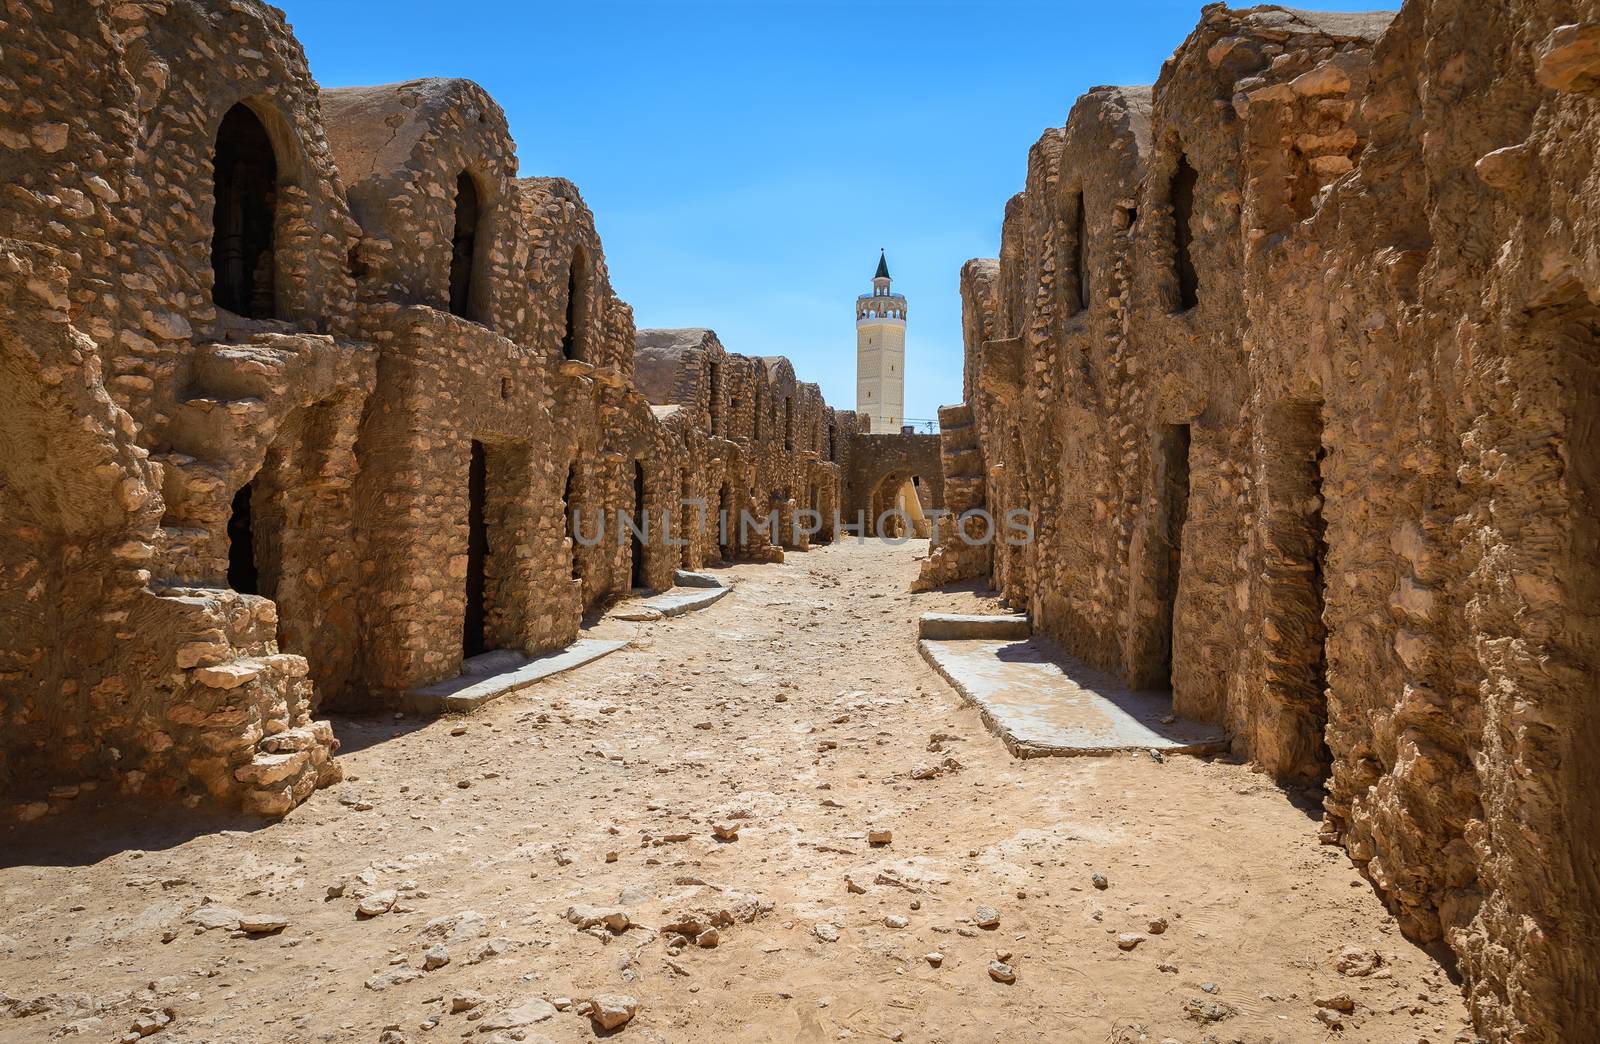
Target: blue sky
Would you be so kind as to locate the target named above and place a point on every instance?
(745, 159)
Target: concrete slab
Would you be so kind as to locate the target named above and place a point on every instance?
(951, 626)
(494, 674)
(1041, 703)
(685, 578)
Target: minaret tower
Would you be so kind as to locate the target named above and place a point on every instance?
(881, 353)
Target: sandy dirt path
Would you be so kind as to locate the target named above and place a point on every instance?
(796, 714)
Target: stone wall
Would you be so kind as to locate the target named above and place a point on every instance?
(880, 465)
(773, 441)
(301, 391)
(1291, 356)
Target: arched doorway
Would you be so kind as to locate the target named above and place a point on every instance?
(246, 183)
(896, 499)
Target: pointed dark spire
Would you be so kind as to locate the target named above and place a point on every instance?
(883, 266)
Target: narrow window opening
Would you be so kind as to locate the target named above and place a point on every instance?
(788, 422)
(246, 172)
(505, 387)
(572, 339)
(472, 631)
(242, 573)
(464, 247)
(1184, 182)
(832, 451)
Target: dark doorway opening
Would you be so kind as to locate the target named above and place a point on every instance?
(1080, 254)
(684, 513)
(242, 572)
(640, 526)
(246, 172)
(577, 306)
(472, 631)
(1184, 182)
(727, 521)
(788, 422)
(1172, 477)
(1317, 528)
(464, 247)
(1297, 539)
(569, 501)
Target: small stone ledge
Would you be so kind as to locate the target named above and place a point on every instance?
(951, 626)
(499, 672)
(676, 602)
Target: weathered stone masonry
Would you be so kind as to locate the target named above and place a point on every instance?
(300, 390)
(1293, 356)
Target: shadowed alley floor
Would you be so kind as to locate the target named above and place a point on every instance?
(797, 715)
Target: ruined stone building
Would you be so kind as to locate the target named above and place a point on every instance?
(303, 393)
(1293, 356)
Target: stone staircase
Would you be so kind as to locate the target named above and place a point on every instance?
(240, 711)
(961, 459)
(224, 428)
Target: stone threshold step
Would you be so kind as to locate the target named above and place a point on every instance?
(675, 602)
(493, 674)
(949, 626)
(1042, 703)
